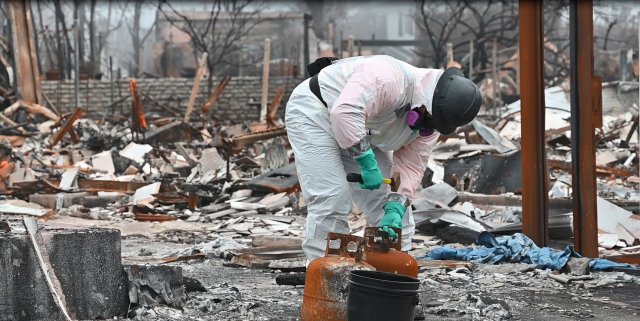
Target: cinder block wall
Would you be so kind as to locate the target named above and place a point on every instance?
(240, 101)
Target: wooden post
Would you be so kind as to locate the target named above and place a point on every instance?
(23, 38)
(265, 80)
(359, 48)
(350, 46)
(196, 86)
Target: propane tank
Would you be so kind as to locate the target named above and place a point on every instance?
(385, 255)
(327, 279)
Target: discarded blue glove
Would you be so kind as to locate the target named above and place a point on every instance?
(393, 213)
(371, 174)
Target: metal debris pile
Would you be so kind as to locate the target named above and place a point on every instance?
(474, 181)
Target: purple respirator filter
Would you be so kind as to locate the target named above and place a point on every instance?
(412, 118)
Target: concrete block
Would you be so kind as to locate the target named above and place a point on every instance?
(86, 262)
(50, 200)
(152, 285)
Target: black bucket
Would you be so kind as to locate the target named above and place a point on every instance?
(381, 296)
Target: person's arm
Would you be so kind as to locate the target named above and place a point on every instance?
(411, 162)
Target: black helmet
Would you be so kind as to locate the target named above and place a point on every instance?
(456, 101)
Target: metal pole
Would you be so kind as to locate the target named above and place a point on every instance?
(534, 170)
(111, 78)
(583, 120)
(76, 56)
(350, 46)
(306, 19)
(496, 87)
(449, 52)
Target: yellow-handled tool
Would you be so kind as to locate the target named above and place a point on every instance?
(394, 181)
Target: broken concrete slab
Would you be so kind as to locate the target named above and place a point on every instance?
(153, 285)
(145, 194)
(55, 201)
(501, 144)
(68, 180)
(276, 241)
(279, 180)
(612, 215)
(579, 265)
(605, 157)
(428, 198)
(625, 235)
(103, 162)
(244, 206)
(449, 216)
(176, 131)
(24, 293)
(21, 207)
(21, 175)
(211, 161)
(135, 152)
(608, 241)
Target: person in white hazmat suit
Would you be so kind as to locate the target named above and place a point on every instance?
(372, 115)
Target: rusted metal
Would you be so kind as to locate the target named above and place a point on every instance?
(261, 257)
(631, 258)
(584, 115)
(445, 264)
(143, 217)
(25, 52)
(534, 172)
(138, 120)
(601, 171)
(244, 140)
(89, 185)
(171, 198)
(192, 201)
(275, 105)
(217, 92)
(68, 125)
(327, 279)
(385, 255)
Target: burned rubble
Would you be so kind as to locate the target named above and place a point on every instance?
(140, 200)
(186, 210)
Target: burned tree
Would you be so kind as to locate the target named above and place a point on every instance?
(459, 22)
(220, 30)
(137, 42)
(438, 21)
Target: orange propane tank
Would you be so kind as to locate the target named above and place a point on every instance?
(327, 279)
(386, 255)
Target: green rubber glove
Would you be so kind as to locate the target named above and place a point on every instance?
(393, 213)
(371, 174)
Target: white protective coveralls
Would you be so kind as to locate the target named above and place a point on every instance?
(368, 98)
